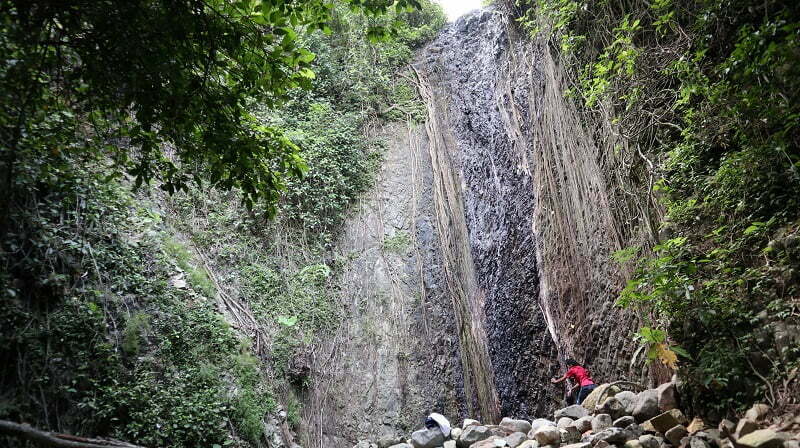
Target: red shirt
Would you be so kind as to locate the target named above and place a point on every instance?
(580, 375)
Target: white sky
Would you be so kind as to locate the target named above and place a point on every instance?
(457, 8)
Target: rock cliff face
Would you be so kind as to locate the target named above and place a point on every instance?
(501, 199)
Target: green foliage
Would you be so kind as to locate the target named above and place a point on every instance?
(399, 243)
(93, 288)
(706, 90)
(197, 276)
(136, 328)
(300, 303)
(155, 76)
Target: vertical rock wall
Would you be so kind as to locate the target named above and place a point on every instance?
(503, 198)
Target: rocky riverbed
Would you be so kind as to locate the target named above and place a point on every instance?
(614, 417)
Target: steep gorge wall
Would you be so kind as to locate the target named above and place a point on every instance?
(505, 204)
(541, 227)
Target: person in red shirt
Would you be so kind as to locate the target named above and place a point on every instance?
(577, 373)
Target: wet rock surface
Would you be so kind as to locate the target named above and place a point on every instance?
(464, 66)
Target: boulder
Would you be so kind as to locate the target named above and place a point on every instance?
(612, 436)
(577, 445)
(664, 422)
(763, 438)
(606, 390)
(624, 421)
(497, 430)
(628, 399)
(455, 433)
(675, 434)
(727, 428)
(679, 416)
(427, 438)
(547, 435)
(745, 427)
(649, 441)
(388, 441)
(468, 422)
(635, 430)
(450, 444)
(473, 434)
(574, 412)
(646, 406)
(403, 445)
(569, 435)
(512, 426)
(697, 442)
(538, 423)
(612, 406)
(529, 444)
(634, 443)
(757, 412)
(601, 422)
(696, 425)
(516, 439)
(584, 423)
(667, 397)
(712, 436)
(491, 442)
(563, 422)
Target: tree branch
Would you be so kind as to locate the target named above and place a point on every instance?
(51, 439)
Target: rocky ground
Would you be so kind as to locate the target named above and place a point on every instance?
(611, 416)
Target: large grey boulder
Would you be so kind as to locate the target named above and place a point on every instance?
(757, 412)
(601, 391)
(402, 445)
(563, 422)
(676, 434)
(455, 433)
(577, 445)
(473, 434)
(612, 436)
(664, 422)
(469, 422)
(584, 423)
(745, 427)
(624, 421)
(491, 442)
(514, 440)
(628, 400)
(449, 444)
(427, 438)
(511, 425)
(649, 441)
(547, 435)
(569, 435)
(646, 406)
(574, 412)
(388, 441)
(539, 422)
(697, 442)
(667, 397)
(613, 407)
(635, 429)
(601, 422)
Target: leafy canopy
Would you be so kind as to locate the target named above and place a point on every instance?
(163, 87)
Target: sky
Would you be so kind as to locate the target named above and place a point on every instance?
(457, 8)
